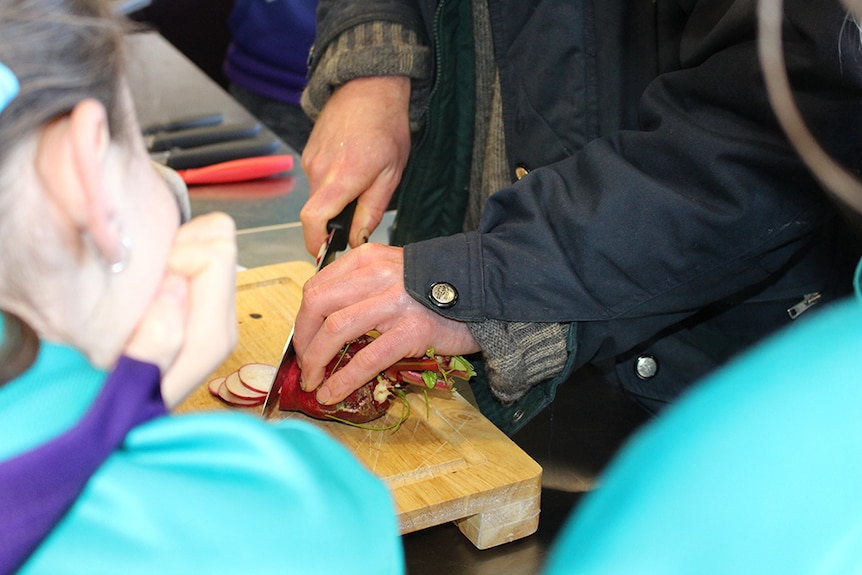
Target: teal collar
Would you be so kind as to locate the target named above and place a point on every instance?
(48, 399)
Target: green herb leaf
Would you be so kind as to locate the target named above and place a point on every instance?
(461, 364)
(430, 378)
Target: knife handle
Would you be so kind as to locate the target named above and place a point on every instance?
(215, 153)
(238, 170)
(191, 137)
(339, 226)
(184, 122)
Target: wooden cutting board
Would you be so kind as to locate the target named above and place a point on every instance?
(445, 463)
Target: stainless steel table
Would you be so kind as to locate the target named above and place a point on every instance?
(572, 440)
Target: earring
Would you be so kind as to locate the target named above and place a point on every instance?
(119, 265)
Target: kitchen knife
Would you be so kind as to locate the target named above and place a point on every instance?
(336, 241)
(183, 123)
(201, 156)
(238, 170)
(192, 137)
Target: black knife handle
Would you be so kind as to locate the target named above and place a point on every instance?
(184, 122)
(340, 225)
(191, 137)
(224, 152)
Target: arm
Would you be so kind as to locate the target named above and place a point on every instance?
(363, 290)
(370, 67)
(360, 291)
(643, 228)
(358, 148)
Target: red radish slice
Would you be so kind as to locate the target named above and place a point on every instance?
(235, 386)
(214, 384)
(232, 399)
(257, 376)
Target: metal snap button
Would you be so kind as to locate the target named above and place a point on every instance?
(646, 367)
(518, 416)
(521, 171)
(443, 294)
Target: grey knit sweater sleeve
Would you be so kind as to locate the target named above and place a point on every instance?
(519, 355)
(371, 49)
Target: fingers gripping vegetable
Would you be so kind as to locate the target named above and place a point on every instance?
(372, 400)
(248, 386)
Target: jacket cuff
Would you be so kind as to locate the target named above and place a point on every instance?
(519, 355)
(371, 49)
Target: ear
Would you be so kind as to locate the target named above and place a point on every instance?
(72, 164)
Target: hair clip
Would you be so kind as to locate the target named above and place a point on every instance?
(8, 86)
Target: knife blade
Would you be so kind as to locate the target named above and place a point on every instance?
(201, 156)
(337, 240)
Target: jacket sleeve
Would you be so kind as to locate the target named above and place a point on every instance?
(372, 49)
(641, 229)
(518, 355)
(336, 16)
(356, 43)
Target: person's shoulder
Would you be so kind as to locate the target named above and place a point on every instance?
(750, 449)
(223, 492)
(225, 432)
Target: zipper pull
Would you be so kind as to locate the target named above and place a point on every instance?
(808, 300)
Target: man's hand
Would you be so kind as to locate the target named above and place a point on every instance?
(363, 290)
(357, 149)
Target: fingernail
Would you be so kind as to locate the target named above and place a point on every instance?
(363, 236)
(323, 395)
(302, 383)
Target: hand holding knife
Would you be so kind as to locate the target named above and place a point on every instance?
(337, 240)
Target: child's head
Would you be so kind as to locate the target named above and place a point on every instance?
(86, 223)
(61, 52)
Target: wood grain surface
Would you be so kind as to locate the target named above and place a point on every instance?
(445, 463)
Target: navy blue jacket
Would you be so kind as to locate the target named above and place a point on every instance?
(664, 214)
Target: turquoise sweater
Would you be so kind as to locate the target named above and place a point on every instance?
(203, 493)
(758, 470)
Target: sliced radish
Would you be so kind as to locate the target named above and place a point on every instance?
(232, 399)
(235, 386)
(214, 384)
(257, 376)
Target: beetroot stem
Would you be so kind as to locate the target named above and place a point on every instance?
(405, 413)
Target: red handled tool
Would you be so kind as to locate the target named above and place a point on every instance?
(238, 170)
